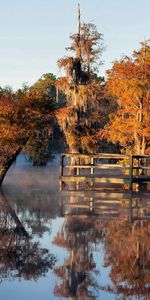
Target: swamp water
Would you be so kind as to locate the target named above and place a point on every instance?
(52, 246)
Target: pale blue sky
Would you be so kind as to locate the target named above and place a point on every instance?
(34, 33)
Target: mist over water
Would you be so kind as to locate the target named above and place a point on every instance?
(53, 246)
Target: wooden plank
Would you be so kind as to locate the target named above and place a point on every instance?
(101, 211)
(91, 214)
(98, 166)
(105, 212)
(112, 203)
(96, 179)
(97, 155)
(98, 176)
(77, 205)
(101, 175)
(102, 207)
(95, 193)
(101, 201)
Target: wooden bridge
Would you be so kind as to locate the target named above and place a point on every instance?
(80, 172)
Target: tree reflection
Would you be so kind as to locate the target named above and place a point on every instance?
(126, 253)
(37, 208)
(19, 255)
(80, 237)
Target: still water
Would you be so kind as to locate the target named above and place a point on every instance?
(55, 246)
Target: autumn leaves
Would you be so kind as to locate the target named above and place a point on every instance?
(114, 111)
(129, 83)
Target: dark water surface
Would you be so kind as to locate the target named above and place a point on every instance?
(56, 246)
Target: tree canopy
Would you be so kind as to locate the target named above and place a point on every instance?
(129, 83)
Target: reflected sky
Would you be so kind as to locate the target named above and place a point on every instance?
(98, 253)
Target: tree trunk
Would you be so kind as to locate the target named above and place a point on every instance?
(143, 145)
(5, 168)
(137, 143)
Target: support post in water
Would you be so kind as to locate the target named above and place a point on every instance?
(91, 204)
(92, 170)
(78, 173)
(131, 172)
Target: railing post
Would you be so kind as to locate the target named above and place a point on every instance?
(145, 165)
(92, 162)
(131, 172)
(138, 167)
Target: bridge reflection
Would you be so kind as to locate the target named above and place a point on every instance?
(107, 206)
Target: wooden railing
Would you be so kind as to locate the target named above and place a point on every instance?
(104, 169)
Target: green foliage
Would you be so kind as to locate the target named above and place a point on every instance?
(42, 93)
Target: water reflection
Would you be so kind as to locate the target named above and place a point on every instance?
(127, 254)
(19, 255)
(124, 235)
(34, 194)
(80, 237)
(100, 240)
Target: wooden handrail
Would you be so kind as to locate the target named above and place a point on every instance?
(97, 155)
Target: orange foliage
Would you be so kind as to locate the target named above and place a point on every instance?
(129, 83)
